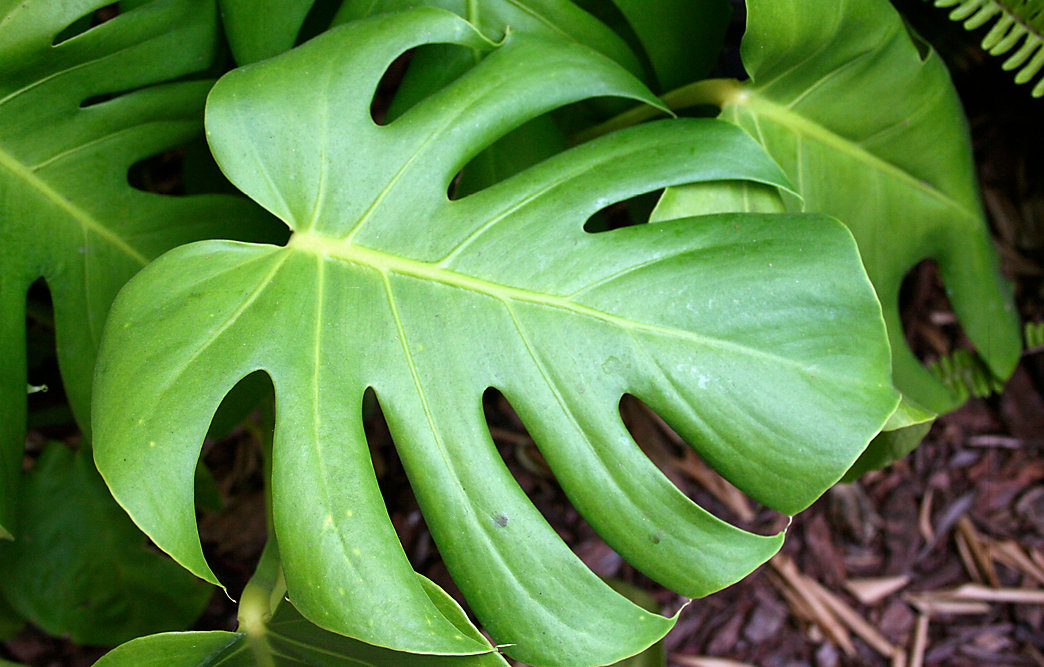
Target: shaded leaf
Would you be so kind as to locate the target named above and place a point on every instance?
(80, 568)
(272, 633)
(907, 426)
(259, 29)
(67, 211)
(682, 38)
(288, 639)
(10, 621)
(655, 655)
(722, 324)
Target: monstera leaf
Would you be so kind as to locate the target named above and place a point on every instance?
(437, 64)
(871, 131)
(67, 212)
(82, 570)
(757, 337)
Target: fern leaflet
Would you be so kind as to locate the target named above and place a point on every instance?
(1016, 23)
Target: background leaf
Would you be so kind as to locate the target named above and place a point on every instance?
(871, 131)
(259, 29)
(682, 39)
(80, 567)
(10, 621)
(289, 640)
(721, 324)
(67, 211)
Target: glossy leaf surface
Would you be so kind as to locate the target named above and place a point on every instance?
(871, 132)
(79, 567)
(67, 211)
(722, 324)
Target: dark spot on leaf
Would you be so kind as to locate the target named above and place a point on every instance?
(500, 519)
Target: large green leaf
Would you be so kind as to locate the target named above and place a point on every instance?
(79, 567)
(757, 337)
(67, 211)
(871, 131)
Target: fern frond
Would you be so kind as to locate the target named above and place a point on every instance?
(964, 372)
(1034, 336)
(1017, 23)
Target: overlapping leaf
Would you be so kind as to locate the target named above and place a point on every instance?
(871, 132)
(258, 32)
(757, 337)
(682, 39)
(273, 634)
(67, 212)
(290, 640)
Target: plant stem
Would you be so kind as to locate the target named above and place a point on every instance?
(266, 588)
(261, 596)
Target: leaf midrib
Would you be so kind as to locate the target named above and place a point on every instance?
(85, 219)
(386, 263)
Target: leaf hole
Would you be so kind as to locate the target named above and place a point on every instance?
(49, 416)
(180, 170)
(230, 485)
(95, 100)
(536, 479)
(91, 19)
(528, 144)
(691, 474)
(935, 335)
(161, 173)
(384, 95)
(401, 502)
(417, 74)
(626, 213)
